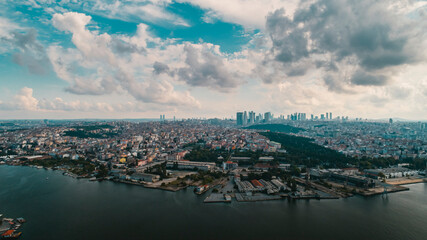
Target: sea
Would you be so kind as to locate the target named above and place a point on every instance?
(60, 207)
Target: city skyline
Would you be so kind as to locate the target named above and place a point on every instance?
(204, 59)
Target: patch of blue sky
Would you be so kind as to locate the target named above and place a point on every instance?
(230, 37)
(29, 17)
(15, 77)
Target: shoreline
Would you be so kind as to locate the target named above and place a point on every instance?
(395, 188)
(407, 181)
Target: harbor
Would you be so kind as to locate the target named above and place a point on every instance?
(9, 227)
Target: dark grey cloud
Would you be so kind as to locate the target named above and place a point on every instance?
(34, 65)
(289, 42)
(297, 71)
(159, 68)
(363, 33)
(30, 53)
(122, 47)
(363, 78)
(335, 84)
(206, 70)
(87, 86)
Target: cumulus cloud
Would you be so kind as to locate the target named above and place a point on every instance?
(92, 46)
(7, 27)
(204, 68)
(248, 13)
(362, 78)
(104, 66)
(346, 55)
(160, 68)
(25, 101)
(360, 38)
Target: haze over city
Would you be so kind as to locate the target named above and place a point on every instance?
(191, 58)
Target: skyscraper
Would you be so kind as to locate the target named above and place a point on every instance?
(245, 118)
(267, 116)
(330, 115)
(239, 118)
(251, 117)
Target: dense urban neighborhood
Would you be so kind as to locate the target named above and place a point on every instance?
(264, 160)
(243, 161)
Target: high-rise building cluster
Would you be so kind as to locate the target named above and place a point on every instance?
(247, 118)
(303, 116)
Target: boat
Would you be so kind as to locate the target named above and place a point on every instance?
(47, 178)
(11, 234)
(93, 179)
(21, 220)
(16, 226)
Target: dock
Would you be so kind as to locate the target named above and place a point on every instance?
(217, 198)
(241, 197)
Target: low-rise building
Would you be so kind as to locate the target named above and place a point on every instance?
(205, 166)
(229, 165)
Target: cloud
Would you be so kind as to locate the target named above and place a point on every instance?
(24, 100)
(7, 27)
(206, 69)
(160, 68)
(136, 11)
(122, 47)
(248, 13)
(362, 78)
(156, 91)
(319, 55)
(103, 63)
(26, 49)
(83, 81)
(359, 38)
(334, 84)
(93, 46)
(98, 65)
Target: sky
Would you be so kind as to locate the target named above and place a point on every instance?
(212, 58)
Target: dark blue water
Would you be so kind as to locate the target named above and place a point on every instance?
(67, 208)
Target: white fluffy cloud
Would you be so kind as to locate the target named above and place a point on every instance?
(106, 67)
(109, 63)
(25, 101)
(248, 13)
(366, 57)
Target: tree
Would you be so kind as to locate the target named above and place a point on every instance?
(293, 185)
(381, 175)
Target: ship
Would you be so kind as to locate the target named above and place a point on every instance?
(10, 234)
